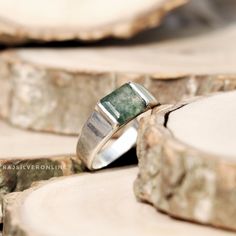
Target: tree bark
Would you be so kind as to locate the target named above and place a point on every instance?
(56, 90)
(101, 203)
(187, 164)
(26, 157)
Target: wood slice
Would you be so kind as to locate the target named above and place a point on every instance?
(59, 20)
(26, 157)
(188, 160)
(101, 203)
(55, 90)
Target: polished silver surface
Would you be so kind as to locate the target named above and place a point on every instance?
(103, 111)
(149, 99)
(96, 146)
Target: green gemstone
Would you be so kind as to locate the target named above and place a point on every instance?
(124, 104)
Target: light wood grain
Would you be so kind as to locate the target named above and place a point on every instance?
(187, 160)
(59, 20)
(207, 124)
(55, 90)
(102, 203)
(17, 143)
(27, 156)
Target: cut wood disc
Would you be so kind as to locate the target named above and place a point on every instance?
(102, 203)
(58, 20)
(26, 157)
(17, 143)
(207, 124)
(55, 90)
(188, 160)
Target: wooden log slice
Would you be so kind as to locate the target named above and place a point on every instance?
(60, 20)
(187, 160)
(55, 90)
(101, 203)
(26, 157)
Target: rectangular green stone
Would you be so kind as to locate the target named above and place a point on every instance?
(124, 104)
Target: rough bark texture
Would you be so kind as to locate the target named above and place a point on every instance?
(19, 174)
(26, 157)
(57, 100)
(14, 32)
(181, 180)
(41, 210)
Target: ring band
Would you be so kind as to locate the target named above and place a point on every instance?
(95, 147)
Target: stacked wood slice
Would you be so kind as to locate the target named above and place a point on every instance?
(187, 160)
(26, 157)
(67, 207)
(55, 90)
(60, 20)
(42, 87)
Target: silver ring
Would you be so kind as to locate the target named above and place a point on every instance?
(95, 146)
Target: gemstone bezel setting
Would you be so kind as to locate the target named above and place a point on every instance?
(126, 103)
